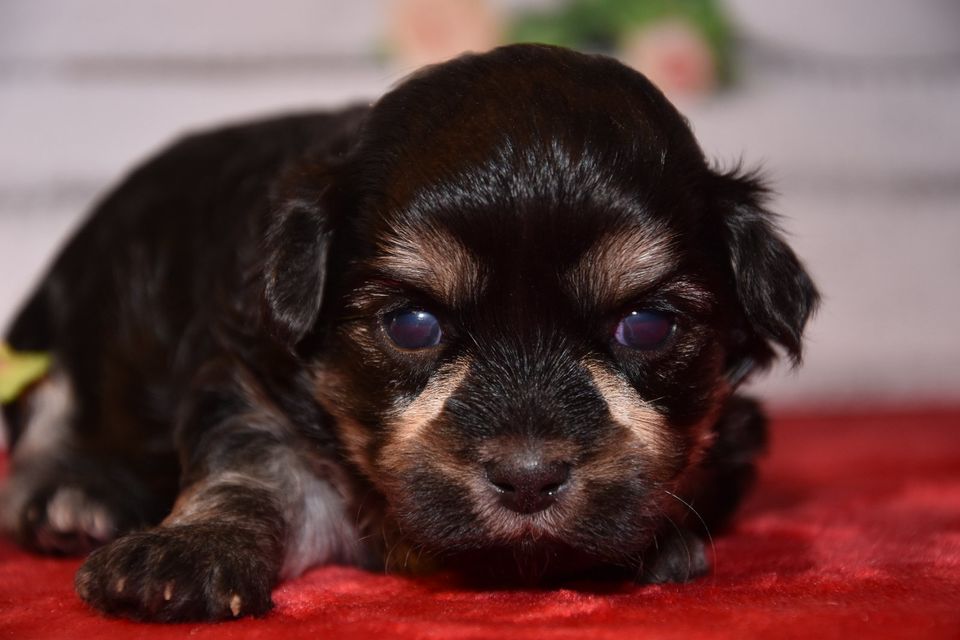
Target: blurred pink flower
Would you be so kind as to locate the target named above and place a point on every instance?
(674, 55)
(422, 32)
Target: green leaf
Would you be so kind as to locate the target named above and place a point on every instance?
(18, 370)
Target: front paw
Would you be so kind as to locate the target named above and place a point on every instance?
(183, 572)
(678, 557)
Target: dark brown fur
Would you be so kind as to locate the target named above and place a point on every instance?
(226, 388)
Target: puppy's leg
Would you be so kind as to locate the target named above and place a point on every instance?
(62, 495)
(730, 467)
(217, 555)
(256, 507)
(712, 492)
(678, 556)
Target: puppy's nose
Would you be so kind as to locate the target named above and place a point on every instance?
(526, 482)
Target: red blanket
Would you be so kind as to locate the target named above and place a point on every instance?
(854, 532)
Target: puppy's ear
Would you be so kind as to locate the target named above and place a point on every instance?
(297, 246)
(775, 293)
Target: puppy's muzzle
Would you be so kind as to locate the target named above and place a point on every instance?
(528, 479)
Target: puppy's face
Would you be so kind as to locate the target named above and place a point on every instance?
(536, 306)
(541, 388)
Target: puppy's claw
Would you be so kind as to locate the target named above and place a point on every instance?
(168, 591)
(235, 603)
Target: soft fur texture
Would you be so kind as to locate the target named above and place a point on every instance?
(228, 386)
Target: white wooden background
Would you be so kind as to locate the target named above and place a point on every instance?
(865, 153)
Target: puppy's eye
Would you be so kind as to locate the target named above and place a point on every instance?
(644, 330)
(413, 329)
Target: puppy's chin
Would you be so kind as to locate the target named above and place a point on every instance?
(545, 559)
(542, 562)
(497, 546)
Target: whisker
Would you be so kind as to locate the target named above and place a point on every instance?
(683, 540)
(420, 551)
(363, 500)
(388, 546)
(649, 403)
(386, 563)
(706, 529)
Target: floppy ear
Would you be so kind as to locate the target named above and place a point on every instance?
(297, 246)
(775, 293)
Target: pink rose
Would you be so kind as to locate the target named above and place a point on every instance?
(674, 56)
(426, 31)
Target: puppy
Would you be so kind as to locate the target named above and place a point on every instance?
(493, 323)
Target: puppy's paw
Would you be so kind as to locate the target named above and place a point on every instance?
(680, 557)
(64, 518)
(184, 572)
(69, 521)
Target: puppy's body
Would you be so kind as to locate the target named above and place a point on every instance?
(500, 315)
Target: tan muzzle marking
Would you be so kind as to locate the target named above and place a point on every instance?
(409, 421)
(629, 410)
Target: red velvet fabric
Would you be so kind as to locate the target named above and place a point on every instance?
(854, 532)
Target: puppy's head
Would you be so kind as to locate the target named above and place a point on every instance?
(526, 297)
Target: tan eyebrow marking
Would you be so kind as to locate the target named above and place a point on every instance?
(433, 260)
(623, 262)
(629, 410)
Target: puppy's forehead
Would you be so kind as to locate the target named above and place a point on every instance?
(511, 255)
(530, 169)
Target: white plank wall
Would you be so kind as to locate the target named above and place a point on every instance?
(864, 157)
